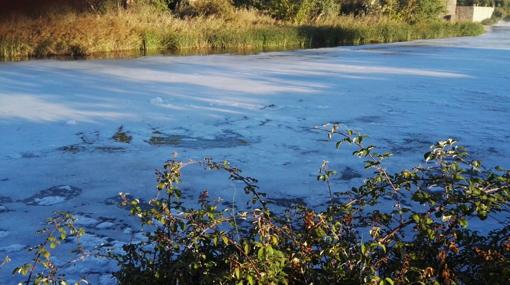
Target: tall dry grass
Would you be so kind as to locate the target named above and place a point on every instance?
(145, 28)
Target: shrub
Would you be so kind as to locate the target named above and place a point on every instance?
(407, 227)
(411, 226)
(313, 10)
(488, 3)
(410, 11)
(43, 270)
(221, 8)
(299, 11)
(422, 10)
(281, 9)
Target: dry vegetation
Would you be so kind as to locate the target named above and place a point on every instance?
(147, 28)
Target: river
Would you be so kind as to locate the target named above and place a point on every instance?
(58, 120)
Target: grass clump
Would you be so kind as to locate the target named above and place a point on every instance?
(122, 136)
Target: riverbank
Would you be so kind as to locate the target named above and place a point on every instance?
(147, 29)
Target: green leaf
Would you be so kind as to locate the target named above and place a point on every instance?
(269, 250)
(260, 253)
(251, 281)
(363, 249)
(22, 270)
(382, 246)
(45, 253)
(416, 218)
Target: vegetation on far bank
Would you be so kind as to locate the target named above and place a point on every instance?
(99, 26)
(412, 226)
(501, 11)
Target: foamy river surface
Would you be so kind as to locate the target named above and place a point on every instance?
(58, 120)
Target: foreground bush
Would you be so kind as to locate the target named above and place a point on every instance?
(407, 227)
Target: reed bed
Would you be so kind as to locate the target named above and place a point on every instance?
(147, 29)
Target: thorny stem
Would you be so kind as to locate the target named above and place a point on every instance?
(379, 169)
(394, 231)
(234, 212)
(36, 259)
(250, 186)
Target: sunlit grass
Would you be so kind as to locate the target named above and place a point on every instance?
(147, 29)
